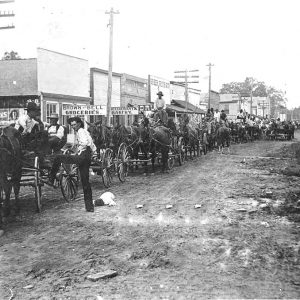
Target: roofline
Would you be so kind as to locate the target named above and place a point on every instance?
(104, 71)
(135, 77)
(62, 53)
(215, 92)
(66, 97)
(30, 58)
(229, 101)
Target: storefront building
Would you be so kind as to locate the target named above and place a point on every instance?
(214, 100)
(52, 80)
(18, 86)
(99, 87)
(134, 93)
(178, 93)
(129, 95)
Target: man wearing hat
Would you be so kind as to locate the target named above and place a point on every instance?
(84, 148)
(25, 123)
(160, 105)
(56, 133)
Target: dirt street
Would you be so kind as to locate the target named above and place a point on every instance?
(242, 240)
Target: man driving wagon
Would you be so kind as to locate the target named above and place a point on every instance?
(160, 115)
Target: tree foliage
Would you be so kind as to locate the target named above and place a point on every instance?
(12, 55)
(259, 88)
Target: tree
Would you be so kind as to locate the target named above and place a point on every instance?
(259, 88)
(12, 55)
(278, 100)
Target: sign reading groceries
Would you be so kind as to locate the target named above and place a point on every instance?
(83, 110)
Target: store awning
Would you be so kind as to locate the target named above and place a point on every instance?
(175, 108)
(191, 108)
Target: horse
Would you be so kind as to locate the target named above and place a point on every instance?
(11, 167)
(191, 139)
(131, 136)
(159, 141)
(209, 134)
(101, 135)
(223, 137)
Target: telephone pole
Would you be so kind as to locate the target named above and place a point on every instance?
(7, 14)
(263, 105)
(109, 88)
(186, 76)
(209, 83)
(251, 96)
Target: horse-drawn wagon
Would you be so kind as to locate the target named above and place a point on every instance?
(134, 146)
(112, 158)
(26, 162)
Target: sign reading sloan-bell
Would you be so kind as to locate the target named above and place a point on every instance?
(83, 110)
(157, 84)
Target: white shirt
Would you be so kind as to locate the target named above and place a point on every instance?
(26, 122)
(59, 133)
(83, 140)
(217, 116)
(160, 103)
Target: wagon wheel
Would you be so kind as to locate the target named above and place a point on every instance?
(181, 151)
(107, 167)
(37, 185)
(123, 162)
(68, 181)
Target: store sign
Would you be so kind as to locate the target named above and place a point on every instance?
(4, 115)
(157, 84)
(124, 111)
(36, 101)
(10, 115)
(83, 110)
(145, 108)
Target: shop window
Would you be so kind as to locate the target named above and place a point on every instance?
(52, 108)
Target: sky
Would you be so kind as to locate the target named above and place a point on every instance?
(241, 38)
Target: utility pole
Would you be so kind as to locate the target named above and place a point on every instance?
(186, 76)
(263, 105)
(7, 14)
(209, 83)
(251, 95)
(109, 88)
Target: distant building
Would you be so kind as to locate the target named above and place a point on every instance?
(214, 100)
(233, 103)
(178, 93)
(230, 104)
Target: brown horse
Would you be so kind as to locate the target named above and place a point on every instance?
(223, 137)
(191, 140)
(160, 139)
(11, 167)
(135, 137)
(100, 134)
